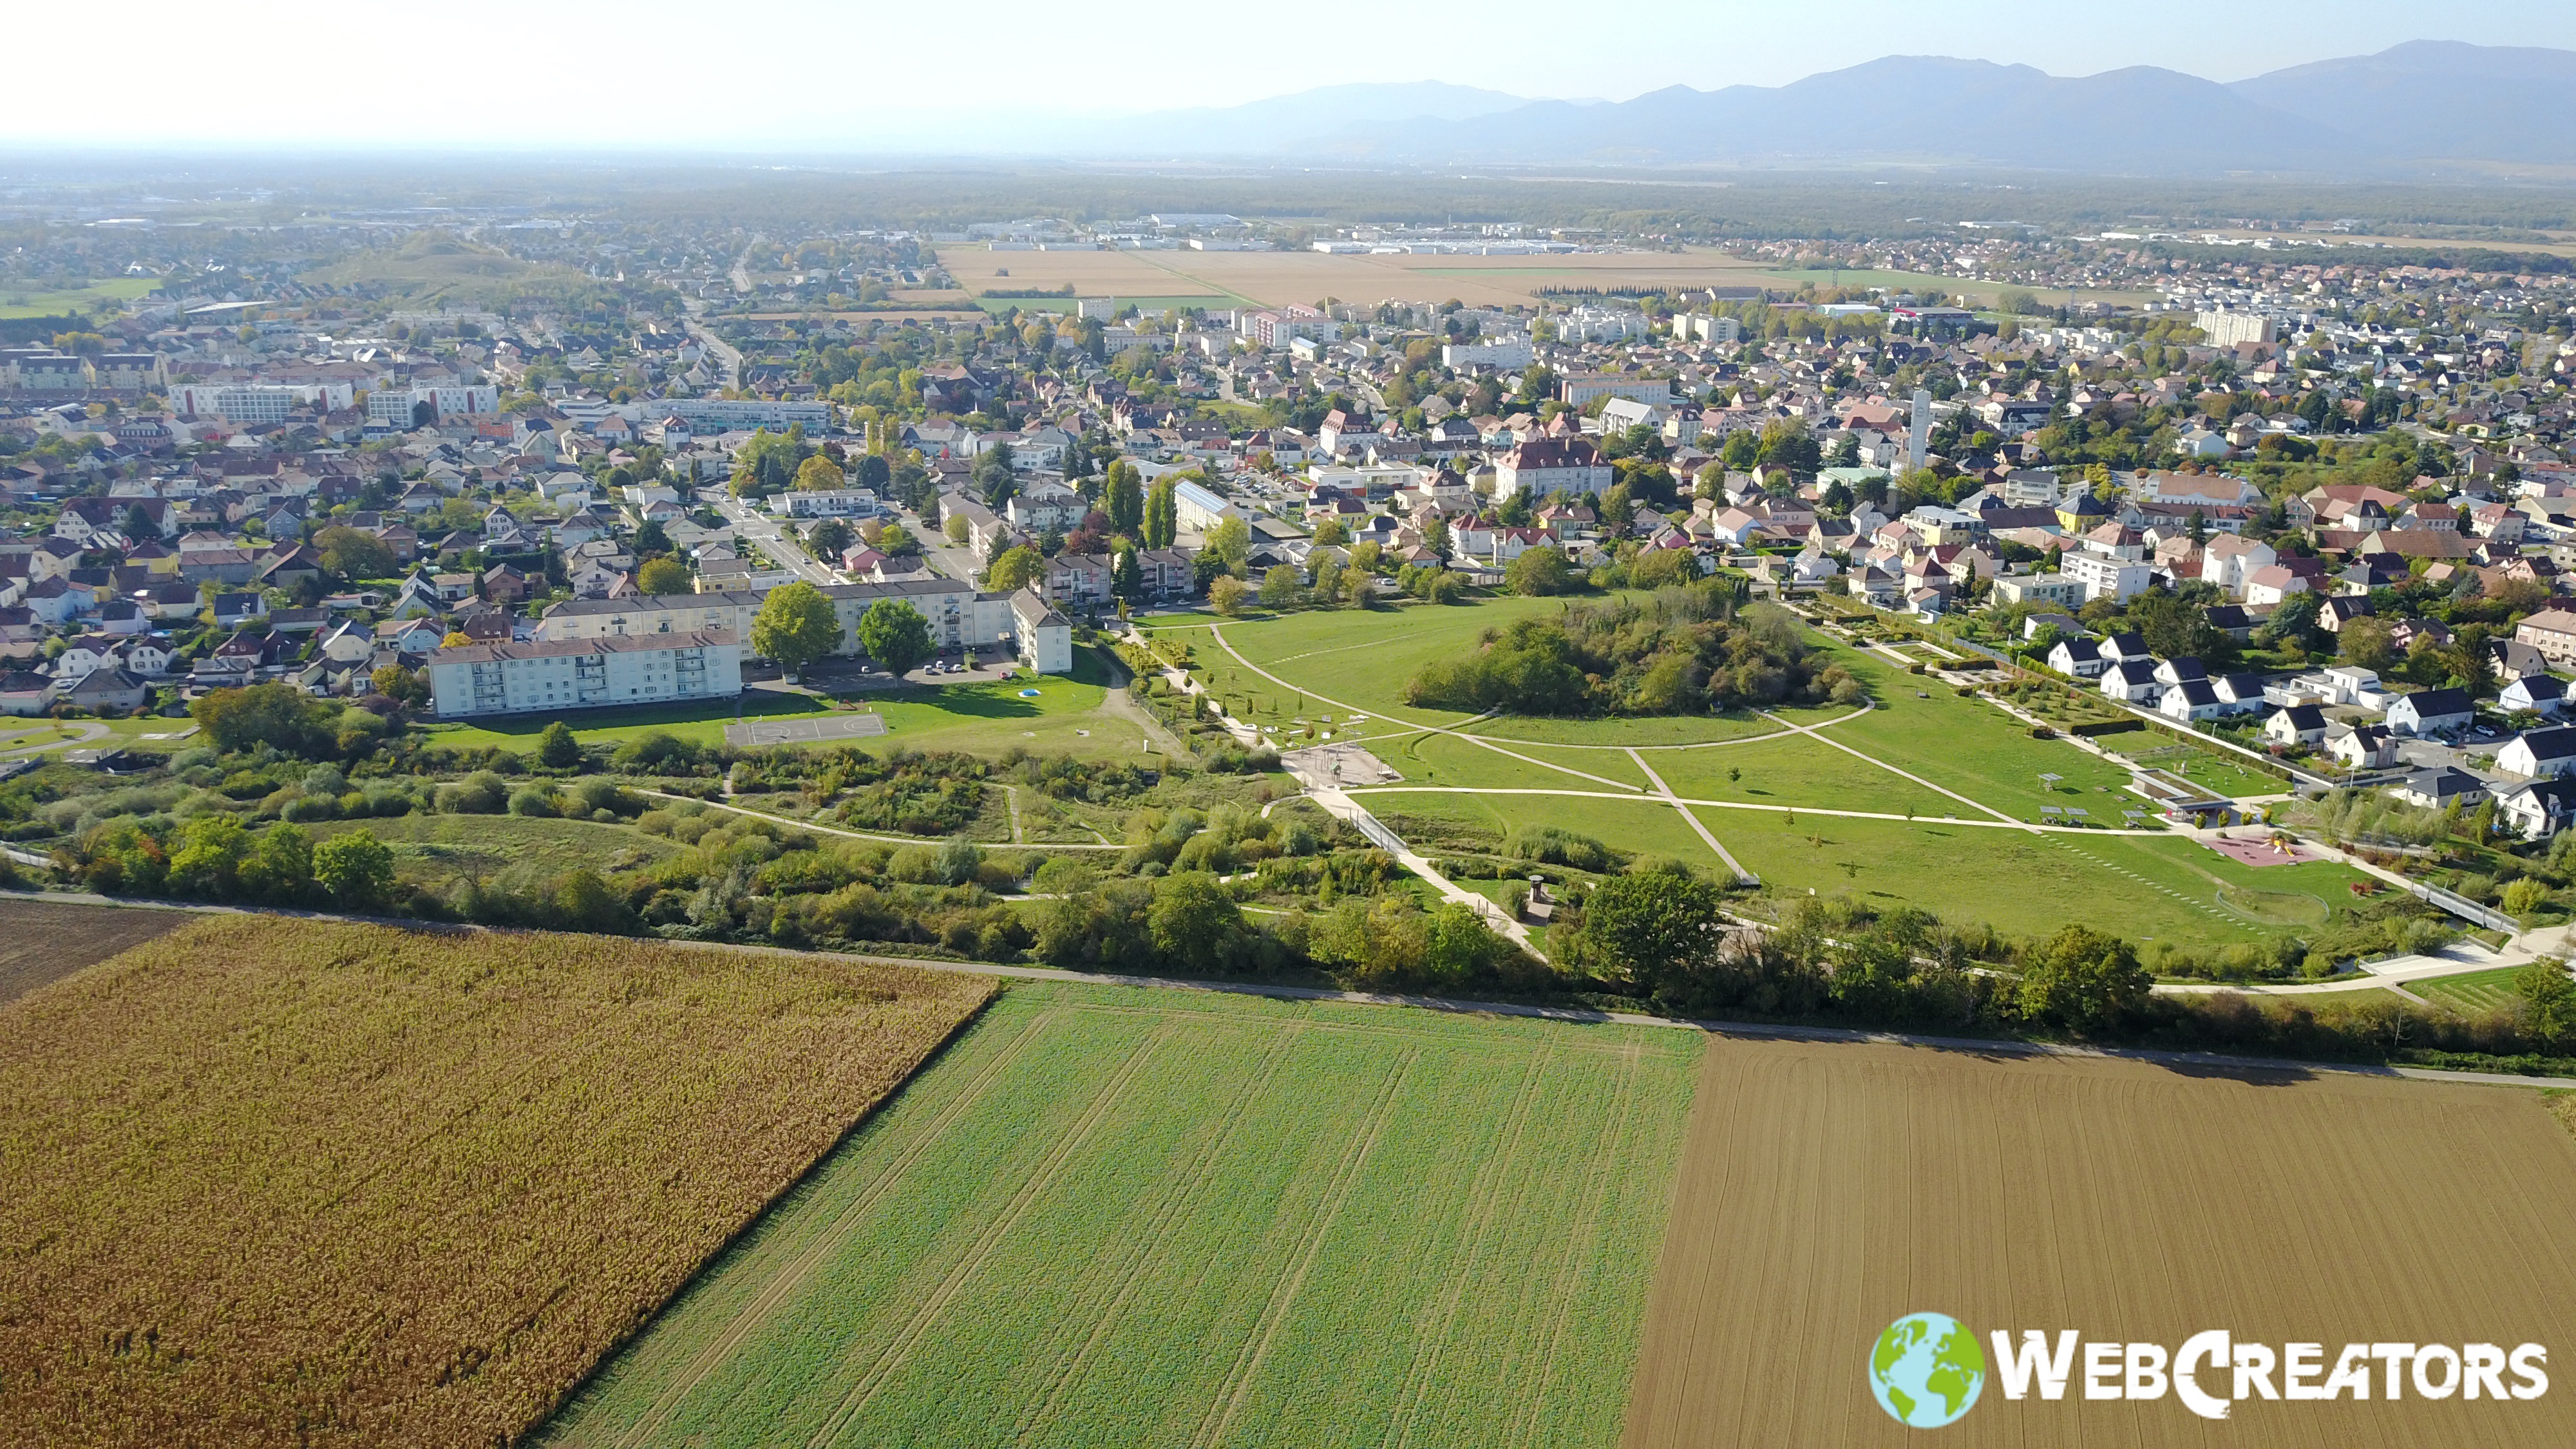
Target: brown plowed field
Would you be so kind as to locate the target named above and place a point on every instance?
(1827, 1190)
(43, 941)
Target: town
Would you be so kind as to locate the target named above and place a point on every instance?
(1391, 763)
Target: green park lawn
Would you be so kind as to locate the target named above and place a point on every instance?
(2474, 992)
(114, 291)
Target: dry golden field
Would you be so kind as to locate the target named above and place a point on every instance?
(43, 941)
(277, 1182)
(1275, 279)
(1826, 1191)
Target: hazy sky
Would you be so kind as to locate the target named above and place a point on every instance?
(576, 74)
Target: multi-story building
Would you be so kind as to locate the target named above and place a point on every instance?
(401, 407)
(959, 616)
(825, 503)
(1495, 352)
(1581, 388)
(717, 415)
(566, 674)
(1541, 466)
(2224, 328)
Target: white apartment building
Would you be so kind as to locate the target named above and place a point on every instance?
(2225, 328)
(2118, 580)
(400, 406)
(1496, 352)
(959, 616)
(258, 402)
(825, 503)
(719, 415)
(1600, 324)
(567, 674)
(1582, 388)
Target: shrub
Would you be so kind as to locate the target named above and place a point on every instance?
(1550, 845)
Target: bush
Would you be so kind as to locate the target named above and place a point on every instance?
(481, 793)
(535, 802)
(1550, 845)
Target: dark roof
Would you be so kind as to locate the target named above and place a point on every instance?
(2438, 702)
(2558, 742)
(2079, 649)
(2196, 691)
(2184, 666)
(2133, 671)
(2127, 644)
(2305, 716)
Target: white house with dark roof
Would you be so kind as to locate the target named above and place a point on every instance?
(2540, 754)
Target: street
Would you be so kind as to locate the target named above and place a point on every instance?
(771, 536)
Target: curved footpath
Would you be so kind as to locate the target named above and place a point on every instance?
(1737, 1030)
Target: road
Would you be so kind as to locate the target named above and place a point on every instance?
(728, 358)
(773, 539)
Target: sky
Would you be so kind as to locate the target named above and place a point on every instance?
(578, 75)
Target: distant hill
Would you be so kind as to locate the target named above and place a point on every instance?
(2419, 102)
(2437, 100)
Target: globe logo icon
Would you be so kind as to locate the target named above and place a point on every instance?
(1926, 1370)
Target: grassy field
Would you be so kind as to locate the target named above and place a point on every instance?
(504, 850)
(1827, 1190)
(111, 294)
(2475, 991)
(1126, 1218)
(1066, 717)
(281, 1182)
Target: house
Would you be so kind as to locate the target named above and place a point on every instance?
(2066, 625)
(25, 692)
(2181, 669)
(2133, 681)
(2079, 657)
(2120, 648)
(2441, 788)
(2191, 701)
(2541, 693)
(2432, 712)
(2241, 693)
(2362, 747)
(234, 610)
(2552, 632)
(2540, 754)
(107, 689)
(2300, 724)
(2540, 809)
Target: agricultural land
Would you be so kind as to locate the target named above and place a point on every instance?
(1842, 1187)
(284, 1182)
(1114, 1216)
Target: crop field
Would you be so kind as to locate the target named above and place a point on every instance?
(1273, 279)
(41, 942)
(282, 1182)
(1130, 1218)
(1827, 1190)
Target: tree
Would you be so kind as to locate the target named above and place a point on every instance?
(281, 869)
(395, 681)
(795, 626)
(279, 715)
(2083, 980)
(1194, 923)
(353, 554)
(896, 541)
(1435, 537)
(1125, 499)
(819, 474)
(1015, 569)
(895, 635)
(873, 473)
(1280, 587)
(1162, 515)
(1330, 531)
(828, 539)
(557, 749)
(356, 869)
(1226, 594)
(1230, 542)
(2547, 1008)
(955, 528)
(1539, 571)
(1126, 576)
(652, 538)
(662, 576)
(1653, 928)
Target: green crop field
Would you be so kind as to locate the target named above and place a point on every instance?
(1122, 1218)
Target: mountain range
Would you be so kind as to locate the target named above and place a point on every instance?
(2420, 106)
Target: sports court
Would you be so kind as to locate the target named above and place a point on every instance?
(753, 734)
